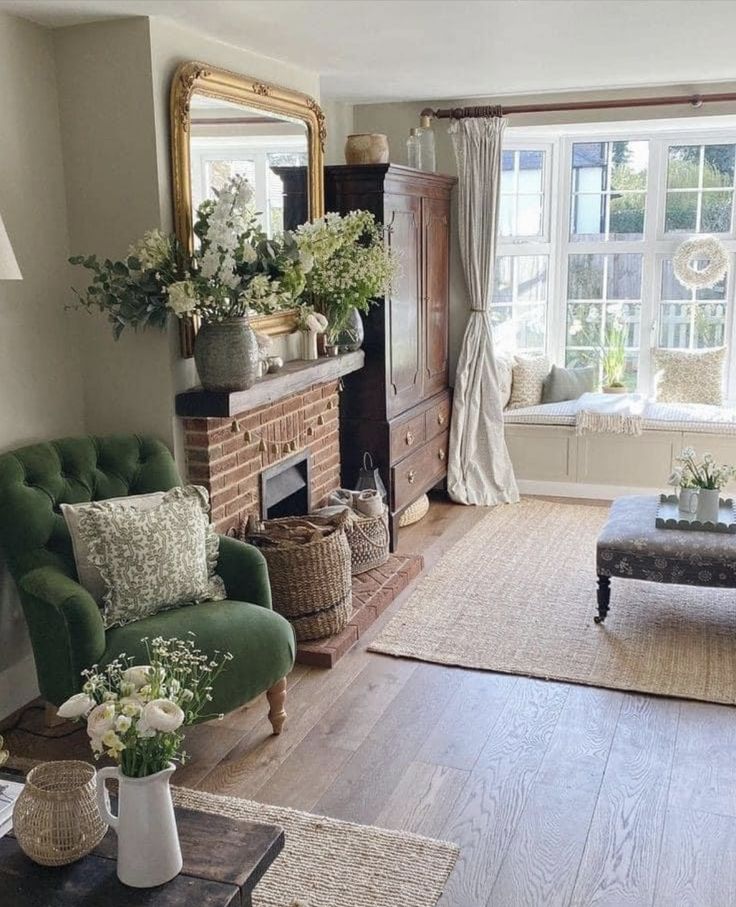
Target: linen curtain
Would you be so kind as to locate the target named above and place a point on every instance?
(479, 467)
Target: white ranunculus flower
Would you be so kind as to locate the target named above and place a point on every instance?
(101, 719)
(137, 675)
(76, 706)
(161, 715)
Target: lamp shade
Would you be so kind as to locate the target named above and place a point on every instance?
(9, 269)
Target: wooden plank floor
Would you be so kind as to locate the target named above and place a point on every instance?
(557, 794)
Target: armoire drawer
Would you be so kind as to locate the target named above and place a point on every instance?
(438, 417)
(406, 437)
(413, 475)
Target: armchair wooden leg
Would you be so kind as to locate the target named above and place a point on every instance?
(276, 697)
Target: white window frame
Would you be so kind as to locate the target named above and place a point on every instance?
(654, 247)
(521, 246)
(205, 149)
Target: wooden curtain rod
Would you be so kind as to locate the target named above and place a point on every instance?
(459, 113)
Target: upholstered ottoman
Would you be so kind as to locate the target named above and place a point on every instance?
(631, 547)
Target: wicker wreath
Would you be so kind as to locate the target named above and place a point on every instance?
(693, 250)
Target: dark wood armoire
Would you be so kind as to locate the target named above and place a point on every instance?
(397, 407)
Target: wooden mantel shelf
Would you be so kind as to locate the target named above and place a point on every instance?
(296, 376)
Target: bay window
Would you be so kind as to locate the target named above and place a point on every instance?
(588, 227)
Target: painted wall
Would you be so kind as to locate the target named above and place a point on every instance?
(340, 124)
(109, 146)
(40, 379)
(396, 120)
(84, 167)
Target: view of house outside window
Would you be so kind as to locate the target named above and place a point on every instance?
(588, 227)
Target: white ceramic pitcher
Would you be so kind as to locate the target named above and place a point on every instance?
(148, 842)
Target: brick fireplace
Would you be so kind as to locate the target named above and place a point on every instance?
(230, 439)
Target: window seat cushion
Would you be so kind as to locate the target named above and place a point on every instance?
(691, 417)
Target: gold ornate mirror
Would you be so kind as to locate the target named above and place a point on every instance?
(224, 124)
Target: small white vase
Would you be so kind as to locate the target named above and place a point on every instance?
(707, 511)
(148, 842)
(688, 500)
(309, 345)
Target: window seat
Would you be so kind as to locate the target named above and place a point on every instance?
(690, 417)
(549, 457)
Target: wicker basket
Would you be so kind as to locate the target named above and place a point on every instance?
(368, 540)
(55, 819)
(415, 512)
(309, 569)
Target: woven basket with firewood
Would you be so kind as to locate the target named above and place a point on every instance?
(309, 569)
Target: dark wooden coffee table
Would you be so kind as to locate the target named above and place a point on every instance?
(224, 859)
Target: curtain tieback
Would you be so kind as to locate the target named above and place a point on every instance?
(474, 309)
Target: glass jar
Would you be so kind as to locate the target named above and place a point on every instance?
(414, 149)
(428, 155)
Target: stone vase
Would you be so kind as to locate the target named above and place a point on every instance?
(226, 354)
(148, 841)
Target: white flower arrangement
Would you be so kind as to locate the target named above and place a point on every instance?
(706, 473)
(135, 713)
(701, 248)
(346, 264)
(235, 270)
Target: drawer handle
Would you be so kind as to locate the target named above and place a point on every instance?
(409, 438)
(441, 453)
(440, 418)
(411, 476)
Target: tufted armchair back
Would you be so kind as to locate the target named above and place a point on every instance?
(35, 480)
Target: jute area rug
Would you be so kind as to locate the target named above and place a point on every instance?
(517, 595)
(330, 863)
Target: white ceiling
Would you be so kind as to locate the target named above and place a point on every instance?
(374, 50)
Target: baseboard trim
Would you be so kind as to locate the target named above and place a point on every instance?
(581, 490)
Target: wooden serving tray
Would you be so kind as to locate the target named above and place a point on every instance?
(669, 516)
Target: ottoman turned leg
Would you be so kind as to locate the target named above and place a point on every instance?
(604, 597)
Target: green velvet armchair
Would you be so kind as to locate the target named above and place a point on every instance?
(64, 621)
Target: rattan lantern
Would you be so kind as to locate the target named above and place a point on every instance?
(56, 820)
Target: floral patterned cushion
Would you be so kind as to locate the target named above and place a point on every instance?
(630, 545)
(690, 376)
(153, 559)
(528, 378)
(87, 574)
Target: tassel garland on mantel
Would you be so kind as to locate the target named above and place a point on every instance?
(285, 447)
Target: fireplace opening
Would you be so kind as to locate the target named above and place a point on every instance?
(285, 487)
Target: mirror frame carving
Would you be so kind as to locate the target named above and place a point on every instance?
(201, 78)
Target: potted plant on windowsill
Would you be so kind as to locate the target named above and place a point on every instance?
(347, 265)
(613, 358)
(235, 271)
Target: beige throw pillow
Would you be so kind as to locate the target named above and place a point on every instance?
(690, 376)
(152, 559)
(528, 379)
